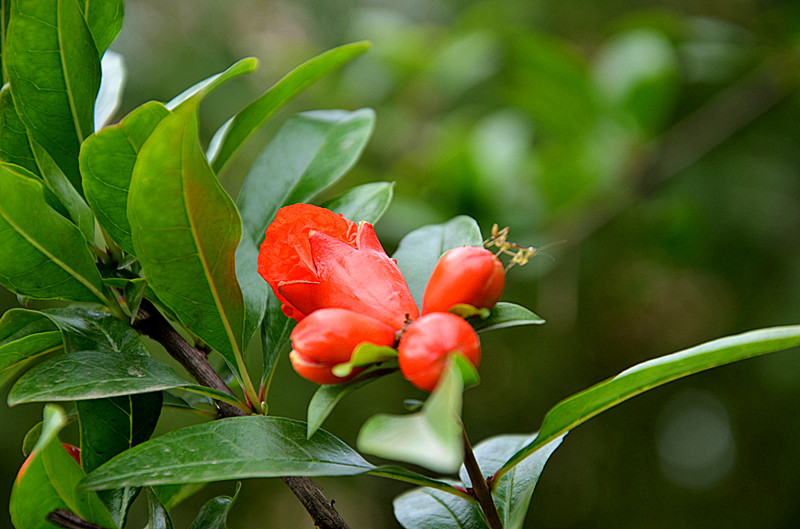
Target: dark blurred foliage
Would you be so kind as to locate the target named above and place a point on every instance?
(660, 140)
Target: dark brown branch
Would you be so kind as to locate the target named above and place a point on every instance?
(151, 323)
(67, 520)
(480, 489)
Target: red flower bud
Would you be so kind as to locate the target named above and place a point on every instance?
(328, 337)
(470, 275)
(313, 259)
(427, 344)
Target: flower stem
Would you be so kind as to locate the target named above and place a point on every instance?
(480, 488)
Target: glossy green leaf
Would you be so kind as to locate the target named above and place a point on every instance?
(111, 426)
(172, 495)
(512, 494)
(504, 315)
(433, 509)
(430, 438)
(86, 329)
(581, 407)
(407, 476)
(185, 230)
(255, 290)
(107, 159)
(214, 514)
(42, 255)
(109, 96)
(15, 146)
(365, 202)
(310, 152)
(157, 513)
(104, 18)
(420, 250)
(76, 207)
(26, 334)
(54, 71)
(92, 375)
(199, 90)
(247, 121)
(235, 448)
(49, 482)
(328, 396)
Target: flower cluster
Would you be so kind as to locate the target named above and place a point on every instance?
(335, 279)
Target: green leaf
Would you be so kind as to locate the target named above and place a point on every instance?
(419, 251)
(54, 71)
(157, 513)
(246, 122)
(310, 152)
(85, 329)
(235, 448)
(406, 476)
(133, 293)
(430, 438)
(107, 159)
(172, 495)
(111, 86)
(73, 202)
(365, 202)
(214, 514)
(363, 355)
(49, 483)
(185, 230)
(15, 146)
(42, 255)
(512, 494)
(104, 18)
(92, 375)
(433, 509)
(199, 90)
(506, 315)
(111, 426)
(275, 332)
(327, 397)
(581, 407)
(26, 334)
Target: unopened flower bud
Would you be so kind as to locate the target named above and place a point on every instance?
(328, 337)
(427, 344)
(467, 275)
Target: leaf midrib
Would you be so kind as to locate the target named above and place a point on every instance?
(67, 84)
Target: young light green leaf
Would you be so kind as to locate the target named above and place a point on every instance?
(512, 494)
(107, 159)
(363, 355)
(54, 71)
(430, 438)
(365, 202)
(185, 230)
(104, 18)
(42, 255)
(246, 122)
(110, 94)
(581, 407)
(133, 293)
(92, 375)
(15, 146)
(172, 495)
(214, 514)
(327, 397)
(235, 448)
(310, 152)
(504, 315)
(157, 513)
(49, 482)
(420, 250)
(200, 90)
(427, 508)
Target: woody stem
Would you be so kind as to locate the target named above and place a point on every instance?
(480, 489)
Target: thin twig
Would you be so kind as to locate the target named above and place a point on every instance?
(479, 486)
(151, 323)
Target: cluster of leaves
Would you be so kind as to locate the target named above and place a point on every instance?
(114, 217)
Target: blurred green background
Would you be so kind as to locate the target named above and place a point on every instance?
(661, 140)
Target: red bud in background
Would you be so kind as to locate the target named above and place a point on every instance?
(467, 275)
(328, 337)
(427, 344)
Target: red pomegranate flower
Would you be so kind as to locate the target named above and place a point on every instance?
(313, 259)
